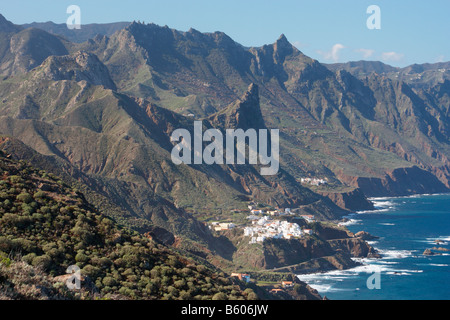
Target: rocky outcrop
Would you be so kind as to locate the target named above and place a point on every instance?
(338, 261)
(440, 249)
(279, 252)
(81, 66)
(354, 200)
(245, 113)
(428, 252)
(357, 247)
(398, 182)
(330, 232)
(365, 236)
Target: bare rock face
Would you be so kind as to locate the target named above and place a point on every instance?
(354, 200)
(81, 66)
(365, 235)
(245, 113)
(356, 247)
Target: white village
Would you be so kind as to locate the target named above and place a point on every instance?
(263, 226)
(314, 181)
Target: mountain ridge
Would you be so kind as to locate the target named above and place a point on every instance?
(105, 109)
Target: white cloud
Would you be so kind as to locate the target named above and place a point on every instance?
(392, 56)
(333, 54)
(366, 53)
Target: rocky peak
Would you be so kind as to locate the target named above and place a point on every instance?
(282, 48)
(78, 66)
(244, 113)
(283, 41)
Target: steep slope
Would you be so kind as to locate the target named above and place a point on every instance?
(7, 26)
(26, 49)
(125, 94)
(332, 124)
(244, 113)
(336, 113)
(80, 66)
(133, 140)
(53, 227)
(127, 158)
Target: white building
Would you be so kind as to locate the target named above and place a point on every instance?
(224, 226)
(266, 228)
(314, 181)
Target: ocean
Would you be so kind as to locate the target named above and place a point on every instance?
(406, 226)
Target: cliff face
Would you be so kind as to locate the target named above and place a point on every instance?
(81, 66)
(357, 247)
(354, 200)
(280, 253)
(330, 248)
(245, 113)
(398, 182)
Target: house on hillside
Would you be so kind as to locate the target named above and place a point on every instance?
(224, 226)
(241, 276)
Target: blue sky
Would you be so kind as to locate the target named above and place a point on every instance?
(328, 30)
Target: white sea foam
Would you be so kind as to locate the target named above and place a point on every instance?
(350, 222)
(442, 240)
(380, 204)
(395, 254)
(326, 282)
(387, 224)
(397, 273)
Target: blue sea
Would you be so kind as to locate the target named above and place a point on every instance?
(406, 226)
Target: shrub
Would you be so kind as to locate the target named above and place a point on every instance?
(24, 197)
(81, 257)
(29, 258)
(43, 261)
(39, 195)
(109, 282)
(16, 179)
(219, 296)
(4, 260)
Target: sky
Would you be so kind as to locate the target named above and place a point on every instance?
(330, 31)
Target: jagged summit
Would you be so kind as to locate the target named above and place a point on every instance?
(245, 113)
(282, 39)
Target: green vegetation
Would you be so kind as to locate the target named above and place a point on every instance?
(53, 229)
